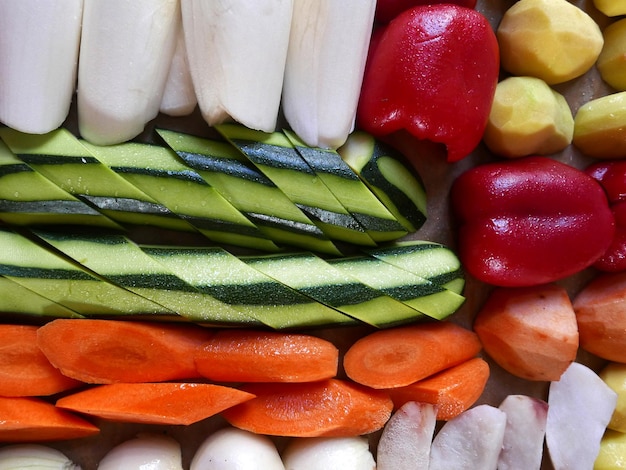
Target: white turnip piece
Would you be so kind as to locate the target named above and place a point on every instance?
(325, 453)
(524, 433)
(470, 441)
(235, 449)
(580, 406)
(146, 451)
(39, 43)
(406, 439)
(125, 55)
(237, 51)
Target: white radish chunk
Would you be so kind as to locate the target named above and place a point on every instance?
(406, 439)
(237, 51)
(39, 43)
(125, 55)
(524, 433)
(236, 449)
(179, 97)
(324, 453)
(580, 406)
(470, 441)
(324, 71)
(146, 451)
(34, 456)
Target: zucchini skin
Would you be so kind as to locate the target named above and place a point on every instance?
(108, 275)
(266, 192)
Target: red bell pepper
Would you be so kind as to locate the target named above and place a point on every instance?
(529, 221)
(612, 176)
(433, 72)
(387, 10)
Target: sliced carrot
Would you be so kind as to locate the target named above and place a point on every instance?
(452, 390)
(529, 331)
(400, 356)
(154, 403)
(24, 369)
(600, 312)
(330, 407)
(266, 356)
(28, 419)
(110, 351)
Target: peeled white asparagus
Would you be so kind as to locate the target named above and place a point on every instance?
(179, 97)
(235, 449)
(237, 51)
(146, 451)
(125, 55)
(35, 456)
(325, 62)
(39, 41)
(324, 453)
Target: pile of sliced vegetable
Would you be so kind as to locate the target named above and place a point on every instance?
(309, 234)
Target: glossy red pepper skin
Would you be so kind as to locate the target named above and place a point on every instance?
(432, 72)
(529, 221)
(612, 176)
(387, 10)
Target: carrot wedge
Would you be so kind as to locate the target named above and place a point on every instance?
(114, 351)
(452, 390)
(401, 356)
(27, 419)
(154, 403)
(266, 356)
(332, 408)
(24, 369)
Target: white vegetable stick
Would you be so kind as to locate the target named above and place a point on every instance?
(39, 41)
(324, 70)
(125, 54)
(179, 97)
(237, 51)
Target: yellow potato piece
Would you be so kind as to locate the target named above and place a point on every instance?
(611, 7)
(528, 118)
(614, 375)
(600, 127)
(549, 39)
(612, 60)
(612, 453)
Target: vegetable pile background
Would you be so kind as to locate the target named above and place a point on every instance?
(438, 174)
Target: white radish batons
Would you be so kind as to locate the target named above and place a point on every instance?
(328, 49)
(38, 62)
(179, 97)
(237, 51)
(146, 451)
(232, 448)
(125, 56)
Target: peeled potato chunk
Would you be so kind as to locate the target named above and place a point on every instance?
(611, 7)
(528, 117)
(600, 127)
(612, 60)
(549, 39)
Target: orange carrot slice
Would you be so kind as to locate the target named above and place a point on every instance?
(330, 407)
(266, 356)
(400, 356)
(112, 351)
(599, 308)
(529, 331)
(452, 390)
(28, 419)
(154, 403)
(24, 369)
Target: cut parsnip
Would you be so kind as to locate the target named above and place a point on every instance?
(179, 97)
(125, 55)
(39, 43)
(237, 51)
(327, 52)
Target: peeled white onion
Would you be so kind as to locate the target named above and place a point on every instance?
(34, 456)
(145, 452)
(325, 453)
